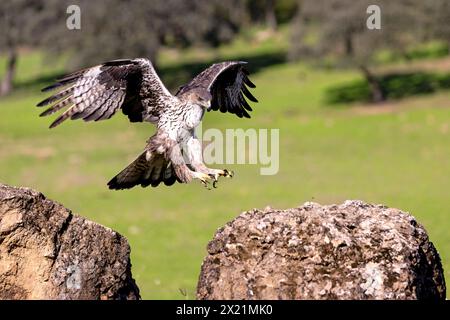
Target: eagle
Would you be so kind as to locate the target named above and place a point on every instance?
(173, 153)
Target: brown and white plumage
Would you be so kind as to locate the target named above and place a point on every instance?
(132, 85)
(97, 93)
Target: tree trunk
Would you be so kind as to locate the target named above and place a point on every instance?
(271, 18)
(6, 85)
(348, 42)
(374, 84)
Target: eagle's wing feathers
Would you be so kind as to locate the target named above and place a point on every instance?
(97, 93)
(227, 82)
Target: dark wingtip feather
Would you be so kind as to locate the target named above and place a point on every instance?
(65, 80)
(155, 183)
(44, 102)
(46, 112)
(57, 85)
(58, 121)
(114, 185)
(51, 87)
(171, 180)
(248, 94)
(248, 82)
(245, 104)
(245, 113)
(71, 76)
(118, 62)
(56, 97)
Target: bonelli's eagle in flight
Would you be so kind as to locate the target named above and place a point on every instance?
(173, 153)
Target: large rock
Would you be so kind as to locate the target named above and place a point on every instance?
(349, 251)
(46, 252)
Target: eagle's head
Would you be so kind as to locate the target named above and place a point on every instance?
(201, 97)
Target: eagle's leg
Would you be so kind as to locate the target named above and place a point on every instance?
(193, 151)
(183, 171)
(186, 175)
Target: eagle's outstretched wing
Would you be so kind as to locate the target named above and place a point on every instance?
(97, 93)
(227, 82)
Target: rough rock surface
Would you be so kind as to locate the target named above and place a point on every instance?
(349, 251)
(46, 252)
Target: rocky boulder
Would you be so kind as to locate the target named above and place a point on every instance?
(46, 252)
(350, 251)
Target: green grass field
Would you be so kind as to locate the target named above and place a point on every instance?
(397, 155)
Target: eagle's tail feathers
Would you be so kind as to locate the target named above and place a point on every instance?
(147, 169)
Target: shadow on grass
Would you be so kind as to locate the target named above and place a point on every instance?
(394, 85)
(175, 75)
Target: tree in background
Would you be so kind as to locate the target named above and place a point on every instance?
(115, 29)
(340, 28)
(271, 12)
(20, 24)
(218, 21)
(437, 21)
(112, 29)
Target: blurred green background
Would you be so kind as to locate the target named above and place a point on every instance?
(336, 141)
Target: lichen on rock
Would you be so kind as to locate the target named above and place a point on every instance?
(350, 251)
